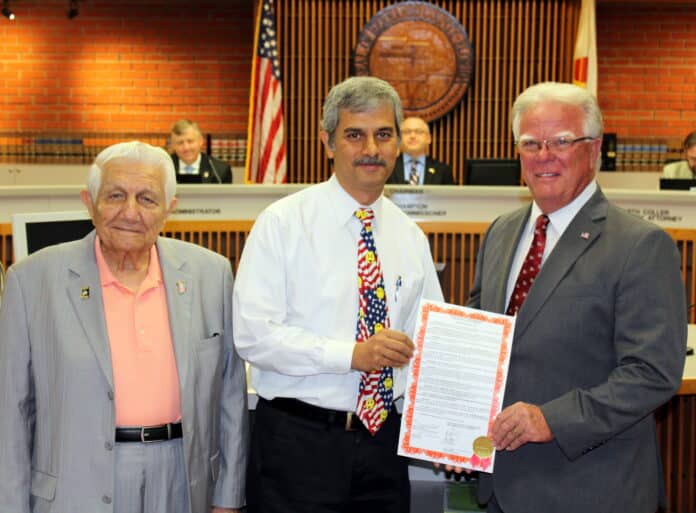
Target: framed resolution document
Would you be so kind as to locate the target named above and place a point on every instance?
(455, 385)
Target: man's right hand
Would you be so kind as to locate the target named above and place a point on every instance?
(388, 348)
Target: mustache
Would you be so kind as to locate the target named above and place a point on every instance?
(369, 161)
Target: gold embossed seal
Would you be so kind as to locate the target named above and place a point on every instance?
(422, 51)
(483, 447)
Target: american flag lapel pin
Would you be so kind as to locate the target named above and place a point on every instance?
(84, 293)
(585, 235)
(180, 287)
(431, 170)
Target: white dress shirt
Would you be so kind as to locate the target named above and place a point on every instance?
(296, 292)
(558, 222)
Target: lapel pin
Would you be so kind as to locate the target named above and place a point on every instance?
(431, 170)
(206, 174)
(585, 235)
(84, 293)
(180, 287)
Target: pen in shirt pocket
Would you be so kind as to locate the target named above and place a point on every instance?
(396, 288)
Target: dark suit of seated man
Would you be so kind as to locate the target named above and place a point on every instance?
(413, 166)
(191, 165)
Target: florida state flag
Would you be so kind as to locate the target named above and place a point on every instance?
(585, 54)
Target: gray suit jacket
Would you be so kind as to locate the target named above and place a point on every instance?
(56, 384)
(599, 343)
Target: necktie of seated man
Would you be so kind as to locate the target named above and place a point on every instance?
(188, 169)
(375, 394)
(530, 266)
(413, 177)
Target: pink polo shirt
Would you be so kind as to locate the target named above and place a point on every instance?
(146, 381)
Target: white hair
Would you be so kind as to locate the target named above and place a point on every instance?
(593, 124)
(133, 151)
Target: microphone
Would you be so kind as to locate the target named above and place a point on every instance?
(212, 167)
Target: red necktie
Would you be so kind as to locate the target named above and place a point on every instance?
(375, 394)
(530, 267)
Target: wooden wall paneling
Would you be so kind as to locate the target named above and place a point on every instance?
(515, 43)
(546, 51)
(502, 126)
(688, 264)
(690, 452)
(306, 74)
(518, 36)
(676, 434)
(497, 74)
(664, 419)
(688, 270)
(318, 45)
(6, 256)
(680, 429)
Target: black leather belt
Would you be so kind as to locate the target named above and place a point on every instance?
(347, 420)
(149, 434)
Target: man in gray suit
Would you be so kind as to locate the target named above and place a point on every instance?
(600, 335)
(120, 387)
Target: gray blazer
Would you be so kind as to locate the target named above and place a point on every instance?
(56, 384)
(599, 343)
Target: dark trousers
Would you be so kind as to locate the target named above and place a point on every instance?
(305, 466)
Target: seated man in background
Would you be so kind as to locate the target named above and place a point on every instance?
(413, 166)
(683, 168)
(121, 390)
(191, 165)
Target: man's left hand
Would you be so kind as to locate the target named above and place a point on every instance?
(225, 510)
(519, 424)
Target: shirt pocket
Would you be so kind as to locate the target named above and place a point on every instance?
(43, 485)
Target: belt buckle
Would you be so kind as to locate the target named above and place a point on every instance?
(349, 421)
(142, 436)
(142, 433)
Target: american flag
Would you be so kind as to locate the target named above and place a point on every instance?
(265, 159)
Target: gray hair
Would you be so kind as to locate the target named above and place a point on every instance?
(133, 151)
(569, 94)
(184, 124)
(359, 94)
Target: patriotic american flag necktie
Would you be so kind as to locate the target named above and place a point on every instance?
(375, 394)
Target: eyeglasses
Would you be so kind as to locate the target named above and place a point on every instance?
(554, 145)
(415, 131)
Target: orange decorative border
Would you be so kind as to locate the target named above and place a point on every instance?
(474, 462)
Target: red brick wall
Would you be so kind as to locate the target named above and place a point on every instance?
(139, 65)
(647, 69)
(126, 65)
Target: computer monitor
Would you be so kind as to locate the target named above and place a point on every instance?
(492, 172)
(33, 231)
(184, 178)
(677, 184)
